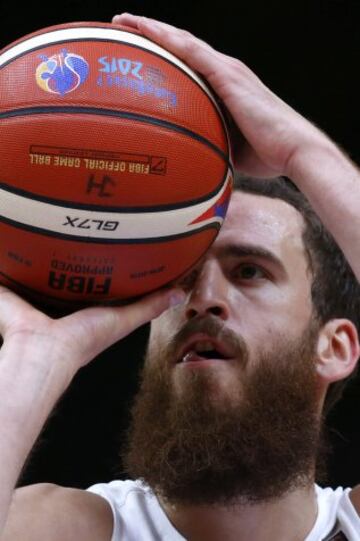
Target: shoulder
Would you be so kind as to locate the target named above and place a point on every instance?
(355, 498)
(52, 512)
(117, 492)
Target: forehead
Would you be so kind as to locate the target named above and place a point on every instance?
(263, 221)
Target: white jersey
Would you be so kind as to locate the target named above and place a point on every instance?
(138, 515)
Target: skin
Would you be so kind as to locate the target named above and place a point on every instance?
(40, 356)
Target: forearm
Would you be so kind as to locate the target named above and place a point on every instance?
(29, 388)
(331, 182)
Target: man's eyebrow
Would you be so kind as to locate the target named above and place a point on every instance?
(243, 250)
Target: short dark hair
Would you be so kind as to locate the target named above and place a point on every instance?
(335, 290)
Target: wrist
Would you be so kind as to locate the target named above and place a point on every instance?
(23, 364)
(314, 159)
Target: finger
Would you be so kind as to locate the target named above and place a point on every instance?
(196, 53)
(127, 20)
(151, 306)
(152, 26)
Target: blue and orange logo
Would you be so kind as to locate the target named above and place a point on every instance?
(61, 73)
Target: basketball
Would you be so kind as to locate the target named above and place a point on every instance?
(115, 165)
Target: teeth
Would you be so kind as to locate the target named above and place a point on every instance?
(187, 357)
(203, 345)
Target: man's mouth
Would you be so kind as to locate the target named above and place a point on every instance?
(202, 349)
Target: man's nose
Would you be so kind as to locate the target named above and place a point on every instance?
(209, 293)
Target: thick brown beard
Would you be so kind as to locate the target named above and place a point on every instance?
(252, 448)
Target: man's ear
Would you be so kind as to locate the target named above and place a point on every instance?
(337, 350)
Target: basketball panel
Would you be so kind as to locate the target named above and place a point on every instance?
(109, 75)
(107, 161)
(86, 273)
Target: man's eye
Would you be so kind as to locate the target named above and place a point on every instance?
(249, 271)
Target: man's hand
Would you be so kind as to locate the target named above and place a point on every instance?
(273, 139)
(38, 359)
(77, 338)
(273, 131)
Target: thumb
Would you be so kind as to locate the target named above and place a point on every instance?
(100, 327)
(151, 306)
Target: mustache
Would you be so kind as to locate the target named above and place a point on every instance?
(215, 329)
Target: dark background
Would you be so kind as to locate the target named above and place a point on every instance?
(308, 53)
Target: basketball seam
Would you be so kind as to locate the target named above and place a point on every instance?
(67, 109)
(99, 208)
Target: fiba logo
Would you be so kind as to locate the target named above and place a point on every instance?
(61, 73)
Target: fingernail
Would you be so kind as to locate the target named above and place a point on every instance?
(177, 297)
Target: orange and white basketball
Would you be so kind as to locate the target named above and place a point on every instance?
(115, 164)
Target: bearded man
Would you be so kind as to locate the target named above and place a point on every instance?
(248, 351)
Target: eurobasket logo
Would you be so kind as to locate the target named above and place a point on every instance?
(61, 73)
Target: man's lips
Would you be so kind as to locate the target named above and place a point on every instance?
(201, 347)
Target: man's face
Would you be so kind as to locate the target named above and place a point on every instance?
(229, 377)
(259, 299)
